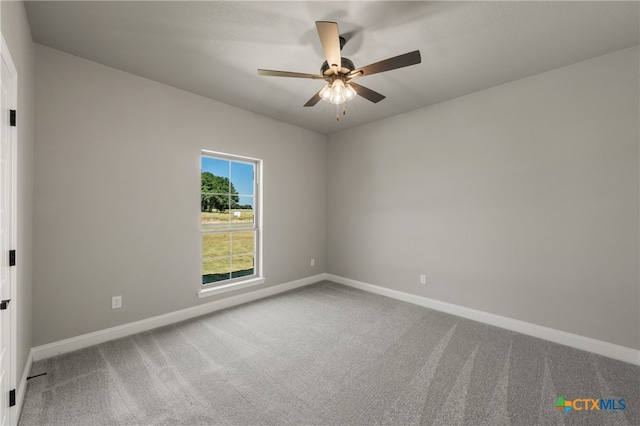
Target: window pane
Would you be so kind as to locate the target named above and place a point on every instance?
(212, 221)
(217, 269)
(242, 266)
(215, 166)
(216, 262)
(216, 245)
(243, 215)
(215, 211)
(242, 177)
(242, 242)
(215, 186)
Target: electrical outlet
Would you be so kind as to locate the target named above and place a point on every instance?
(423, 279)
(313, 262)
(116, 302)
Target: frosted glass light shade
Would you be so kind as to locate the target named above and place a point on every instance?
(349, 93)
(337, 92)
(325, 93)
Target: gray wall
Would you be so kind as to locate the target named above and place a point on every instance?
(521, 200)
(16, 32)
(117, 181)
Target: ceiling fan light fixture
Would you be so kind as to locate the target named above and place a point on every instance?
(349, 93)
(325, 93)
(337, 92)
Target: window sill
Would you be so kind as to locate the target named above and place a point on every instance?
(206, 292)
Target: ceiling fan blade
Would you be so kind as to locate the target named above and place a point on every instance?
(411, 58)
(314, 100)
(330, 39)
(367, 93)
(273, 73)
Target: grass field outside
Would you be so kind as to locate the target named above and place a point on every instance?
(238, 217)
(227, 255)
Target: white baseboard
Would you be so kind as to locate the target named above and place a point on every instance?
(599, 347)
(22, 386)
(90, 339)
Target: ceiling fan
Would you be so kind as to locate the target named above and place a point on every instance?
(339, 72)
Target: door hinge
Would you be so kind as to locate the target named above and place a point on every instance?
(12, 258)
(12, 117)
(4, 303)
(12, 397)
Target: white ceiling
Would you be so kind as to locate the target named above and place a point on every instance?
(214, 48)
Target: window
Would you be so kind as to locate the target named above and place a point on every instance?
(229, 222)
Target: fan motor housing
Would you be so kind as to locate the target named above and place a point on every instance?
(347, 66)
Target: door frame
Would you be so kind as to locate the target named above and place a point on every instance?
(5, 57)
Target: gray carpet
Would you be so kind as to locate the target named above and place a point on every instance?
(327, 355)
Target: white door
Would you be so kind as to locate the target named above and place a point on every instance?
(8, 83)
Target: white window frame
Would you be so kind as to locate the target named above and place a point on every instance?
(257, 278)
